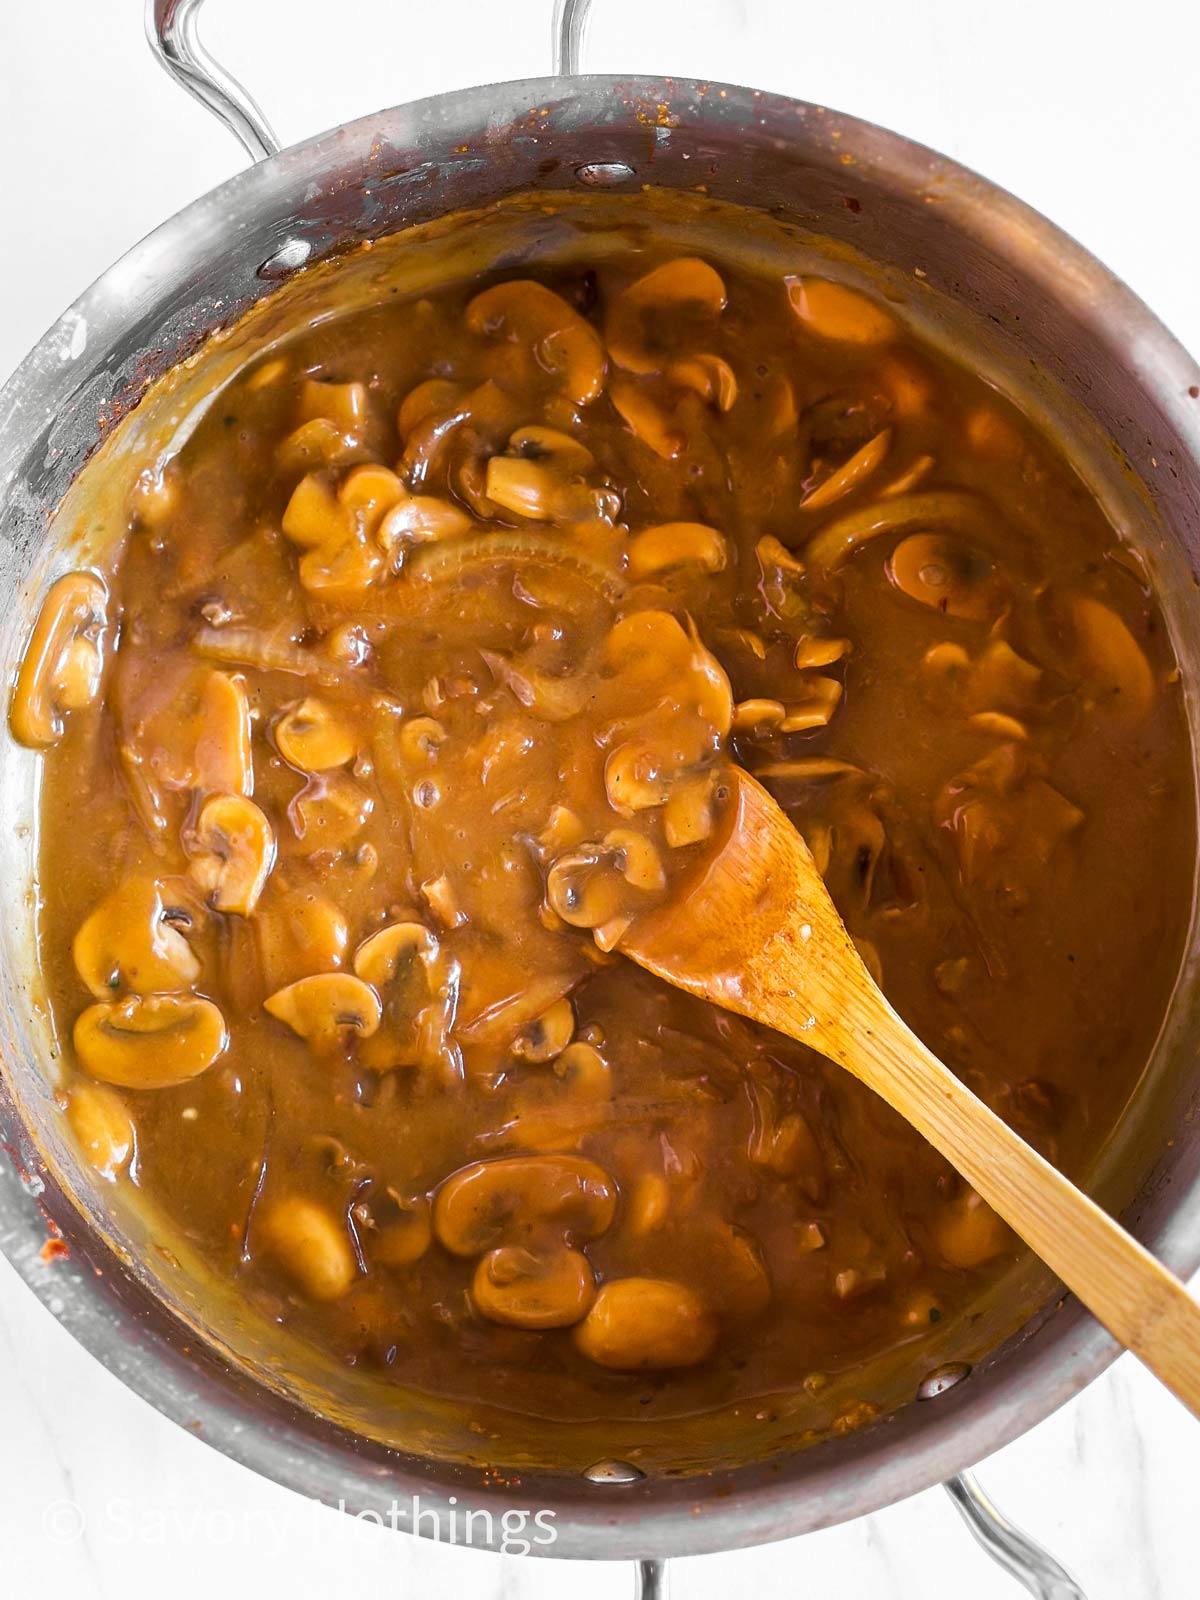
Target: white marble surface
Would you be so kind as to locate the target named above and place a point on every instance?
(1087, 108)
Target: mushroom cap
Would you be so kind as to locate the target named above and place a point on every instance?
(646, 1325)
(946, 573)
(311, 1245)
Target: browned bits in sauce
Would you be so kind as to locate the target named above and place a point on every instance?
(416, 677)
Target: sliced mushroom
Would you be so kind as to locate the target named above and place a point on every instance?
(154, 498)
(299, 934)
(676, 544)
(1006, 821)
(647, 647)
(584, 1073)
(343, 403)
(63, 661)
(647, 419)
(379, 958)
(586, 888)
(547, 1287)
(941, 571)
(636, 858)
(439, 895)
(833, 311)
(649, 1205)
(646, 1325)
(420, 739)
(434, 397)
(419, 519)
(224, 761)
(852, 474)
(1119, 677)
(816, 708)
(327, 1008)
(563, 831)
(401, 1231)
(328, 812)
(654, 315)
(1000, 679)
(233, 850)
(335, 528)
(152, 1041)
(637, 777)
(757, 712)
(316, 444)
(312, 737)
(968, 1232)
(741, 1285)
(102, 1125)
(992, 435)
(127, 942)
(689, 815)
(514, 1199)
(310, 1244)
(543, 476)
(812, 651)
(546, 1036)
(784, 1143)
(562, 343)
(709, 376)
(909, 382)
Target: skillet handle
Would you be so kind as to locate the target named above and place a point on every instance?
(650, 1579)
(175, 43)
(174, 37)
(568, 33)
(1034, 1568)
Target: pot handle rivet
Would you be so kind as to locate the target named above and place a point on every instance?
(613, 1472)
(281, 263)
(941, 1379)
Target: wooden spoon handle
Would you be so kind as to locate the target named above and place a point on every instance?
(1133, 1295)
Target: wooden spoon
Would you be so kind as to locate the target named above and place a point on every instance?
(753, 930)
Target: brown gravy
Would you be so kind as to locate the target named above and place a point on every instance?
(413, 679)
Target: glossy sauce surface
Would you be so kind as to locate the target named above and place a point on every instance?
(415, 677)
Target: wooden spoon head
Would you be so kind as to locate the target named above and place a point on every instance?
(752, 927)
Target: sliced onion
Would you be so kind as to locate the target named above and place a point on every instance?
(936, 508)
(268, 651)
(850, 475)
(440, 563)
